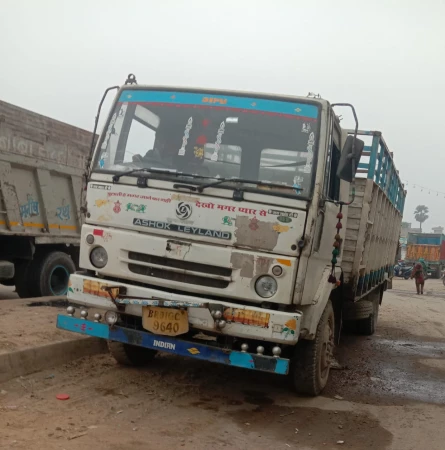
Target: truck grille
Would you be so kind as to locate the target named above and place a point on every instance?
(166, 273)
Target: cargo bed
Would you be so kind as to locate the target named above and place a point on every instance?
(374, 220)
(42, 162)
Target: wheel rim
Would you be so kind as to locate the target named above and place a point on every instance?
(58, 280)
(327, 349)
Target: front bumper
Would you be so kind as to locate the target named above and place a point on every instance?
(176, 346)
(242, 321)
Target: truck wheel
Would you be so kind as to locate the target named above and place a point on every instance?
(130, 355)
(311, 363)
(353, 311)
(367, 326)
(50, 273)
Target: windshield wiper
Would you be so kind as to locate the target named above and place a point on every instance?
(243, 180)
(117, 177)
(159, 171)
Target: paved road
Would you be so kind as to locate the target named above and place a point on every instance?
(390, 396)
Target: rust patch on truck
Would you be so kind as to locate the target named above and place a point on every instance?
(263, 265)
(243, 262)
(263, 236)
(247, 317)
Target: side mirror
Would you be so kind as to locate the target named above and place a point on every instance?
(349, 159)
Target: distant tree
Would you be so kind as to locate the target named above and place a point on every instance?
(421, 214)
(405, 224)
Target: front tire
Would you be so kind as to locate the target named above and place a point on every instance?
(311, 363)
(131, 355)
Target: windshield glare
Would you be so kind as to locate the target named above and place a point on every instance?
(215, 136)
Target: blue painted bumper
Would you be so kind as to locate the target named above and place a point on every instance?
(175, 346)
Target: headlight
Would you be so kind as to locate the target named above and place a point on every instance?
(266, 286)
(99, 257)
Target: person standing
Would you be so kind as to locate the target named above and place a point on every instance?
(419, 278)
(424, 265)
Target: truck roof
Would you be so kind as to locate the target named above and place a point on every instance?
(136, 87)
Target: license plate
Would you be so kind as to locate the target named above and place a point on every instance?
(165, 321)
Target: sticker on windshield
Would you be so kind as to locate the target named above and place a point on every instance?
(186, 136)
(199, 152)
(306, 128)
(310, 153)
(120, 114)
(297, 184)
(219, 136)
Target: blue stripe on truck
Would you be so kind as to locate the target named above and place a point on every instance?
(176, 346)
(219, 100)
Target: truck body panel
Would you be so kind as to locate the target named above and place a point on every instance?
(373, 221)
(42, 162)
(42, 165)
(430, 247)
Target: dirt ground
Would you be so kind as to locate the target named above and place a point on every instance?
(27, 323)
(391, 395)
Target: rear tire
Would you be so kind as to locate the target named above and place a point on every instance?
(49, 274)
(311, 363)
(361, 317)
(130, 355)
(368, 326)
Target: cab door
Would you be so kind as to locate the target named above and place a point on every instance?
(321, 255)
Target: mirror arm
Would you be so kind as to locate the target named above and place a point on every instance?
(354, 167)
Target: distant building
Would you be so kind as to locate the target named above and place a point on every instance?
(438, 230)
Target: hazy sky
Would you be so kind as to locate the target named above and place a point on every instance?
(386, 57)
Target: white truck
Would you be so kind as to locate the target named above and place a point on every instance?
(224, 226)
(42, 165)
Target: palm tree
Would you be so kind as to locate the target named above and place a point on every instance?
(421, 214)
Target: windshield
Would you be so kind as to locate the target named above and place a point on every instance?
(214, 136)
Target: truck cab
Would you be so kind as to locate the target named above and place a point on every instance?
(214, 229)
